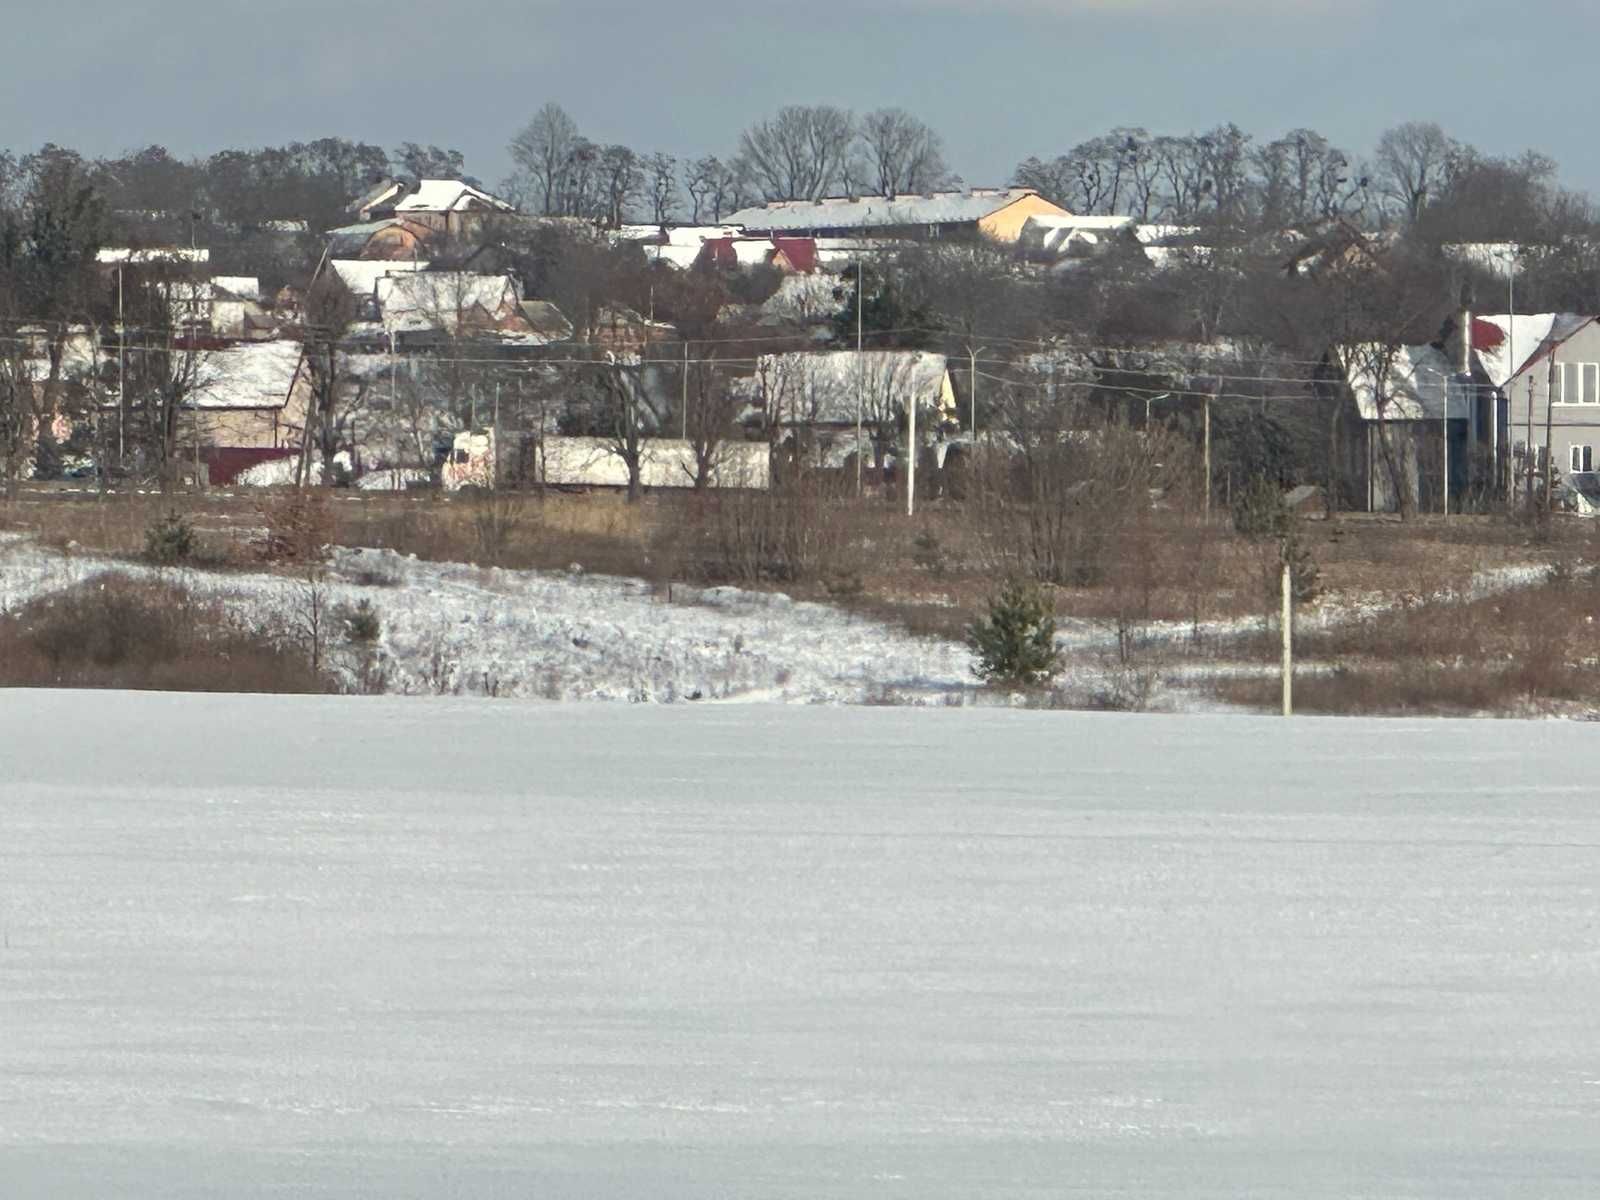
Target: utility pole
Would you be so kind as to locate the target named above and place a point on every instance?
(860, 382)
(972, 382)
(1286, 620)
(1205, 410)
(911, 457)
(1549, 422)
(1511, 371)
(685, 400)
(1528, 457)
(122, 372)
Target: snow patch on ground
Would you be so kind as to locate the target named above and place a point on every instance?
(457, 629)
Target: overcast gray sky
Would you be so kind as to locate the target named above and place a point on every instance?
(1001, 79)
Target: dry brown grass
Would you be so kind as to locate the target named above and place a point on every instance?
(931, 574)
(1529, 650)
(118, 632)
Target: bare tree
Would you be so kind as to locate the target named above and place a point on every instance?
(621, 177)
(1053, 179)
(543, 151)
(166, 367)
(1180, 167)
(904, 155)
(711, 184)
(625, 420)
(661, 182)
(1225, 165)
(427, 162)
(19, 414)
(337, 396)
(1413, 162)
(710, 418)
(800, 152)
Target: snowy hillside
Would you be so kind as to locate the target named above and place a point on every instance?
(450, 628)
(354, 947)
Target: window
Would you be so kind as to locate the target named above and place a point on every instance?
(1575, 383)
(1582, 458)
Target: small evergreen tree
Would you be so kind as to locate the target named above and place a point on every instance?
(1016, 642)
(362, 624)
(169, 540)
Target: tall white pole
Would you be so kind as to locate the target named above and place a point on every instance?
(1444, 492)
(860, 383)
(1287, 622)
(122, 371)
(1511, 368)
(911, 459)
(972, 380)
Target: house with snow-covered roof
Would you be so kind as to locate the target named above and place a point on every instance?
(1402, 405)
(252, 396)
(812, 402)
(995, 213)
(449, 206)
(1545, 368)
(452, 303)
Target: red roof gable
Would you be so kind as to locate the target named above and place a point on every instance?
(801, 253)
(1486, 335)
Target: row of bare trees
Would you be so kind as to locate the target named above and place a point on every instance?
(800, 152)
(1417, 177)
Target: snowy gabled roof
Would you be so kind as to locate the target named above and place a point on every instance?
(235, 287)
(449, 195)
(255, 375)
(676, 235)
(866, 212)
(442, 299)
(361, 275)
(1407, 383)
(1507, 345)
(828, 387)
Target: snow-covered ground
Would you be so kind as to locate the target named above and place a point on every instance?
(386, 947)
(451, 628)
(457, 629)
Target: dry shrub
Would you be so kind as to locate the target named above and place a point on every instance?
(499, 522)
(1525, 649)
(792, 535)
(118, 632)
(1061, 507)
(298, 527)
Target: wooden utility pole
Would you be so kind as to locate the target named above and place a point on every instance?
(1549, 420)
(1286, 620)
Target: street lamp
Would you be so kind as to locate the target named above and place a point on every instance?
(972, 381)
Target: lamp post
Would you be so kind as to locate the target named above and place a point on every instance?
(972, 383)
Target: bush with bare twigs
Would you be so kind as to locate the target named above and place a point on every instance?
(115, 631)
(298, 527)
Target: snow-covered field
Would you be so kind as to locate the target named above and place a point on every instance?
(348, 947)
(457, 629)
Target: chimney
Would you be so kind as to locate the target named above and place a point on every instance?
(1464, 365)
